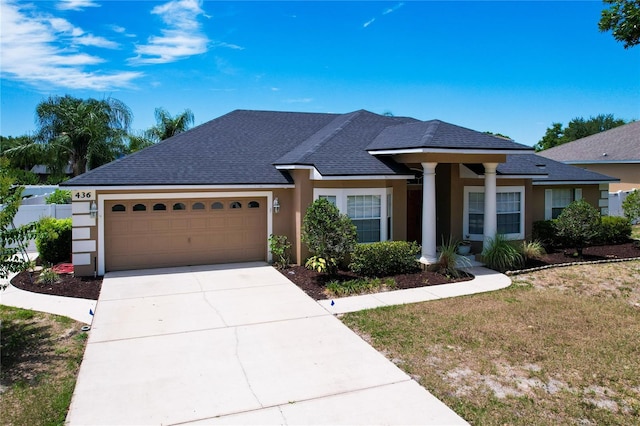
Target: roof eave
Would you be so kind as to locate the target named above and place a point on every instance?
(449, 151)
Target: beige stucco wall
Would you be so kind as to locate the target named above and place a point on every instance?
(629, 174)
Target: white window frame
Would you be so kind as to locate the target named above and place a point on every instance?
(386, 197)
(499, 189)
(548, 200)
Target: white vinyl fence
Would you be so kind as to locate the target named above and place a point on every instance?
(27, 214)
(615, 202)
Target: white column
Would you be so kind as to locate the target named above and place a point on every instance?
(429, 214)
(490, 208)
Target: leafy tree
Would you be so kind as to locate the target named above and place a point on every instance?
(500, 135)
(59, 196)
(631, 205)
(167, 126)
(623, 20)
(13, 238)
(23, 161)
(576, 129)
(329, 234)
(85, 133)
(578, 224)
(138, 142)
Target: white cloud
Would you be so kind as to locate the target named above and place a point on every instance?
(75, 4)
(369, 22)
(227, 45)
(43, 51)
(298, 101)
(393, 9)
(182, 37)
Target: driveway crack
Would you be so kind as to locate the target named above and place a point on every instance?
(244, 372)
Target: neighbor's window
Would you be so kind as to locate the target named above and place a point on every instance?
(509, 212)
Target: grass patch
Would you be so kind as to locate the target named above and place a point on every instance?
(538, 352)
(359, 286)
(635, 232)
(41, 355)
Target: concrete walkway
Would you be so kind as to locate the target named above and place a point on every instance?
(234, 344)
(485, 280)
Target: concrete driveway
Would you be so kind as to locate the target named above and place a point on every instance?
(234, 344)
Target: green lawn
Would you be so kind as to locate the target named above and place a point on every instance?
(41, 355)
(558, 347)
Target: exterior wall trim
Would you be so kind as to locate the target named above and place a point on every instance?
(146, 196)
(575, 182)
(602, 162)
(314, 174)
(448, 151)
(131, 188)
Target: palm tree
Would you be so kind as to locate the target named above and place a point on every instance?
(83, 133)
(167, 126)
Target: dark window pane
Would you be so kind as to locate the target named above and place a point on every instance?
(179, 206)
(217, 206)
(253, 204)
(159, 207)
(476, 223)
(235, 205)
(197, 206)
(508, 223)
(139, 208)
(118, 208)
(368, 230)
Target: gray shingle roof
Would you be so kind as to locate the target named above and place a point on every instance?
(438, 134)
(620, 144)
(555, 171)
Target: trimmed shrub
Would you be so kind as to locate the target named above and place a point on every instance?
(545, 232)
(329, 234)
(578, 225)
(631, 205)
(53, 239)
(59, 196)
(501, 255)
(385, 258)
(613, 230)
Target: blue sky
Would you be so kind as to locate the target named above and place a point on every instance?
(511, 67)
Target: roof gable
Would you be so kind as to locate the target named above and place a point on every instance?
(436, 134)
(620, 144)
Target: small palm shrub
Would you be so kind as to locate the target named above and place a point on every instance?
(449, 261)
(53, 239)
(385, 258)
(501, 255)
(320, 264)
(48, 276)
(531, 250)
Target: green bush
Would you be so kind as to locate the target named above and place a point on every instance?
(578, 225)
(545, 232)
(59, 196)
(53, 239)
(25, 177)
(385, 258)
(280, 247)
(613, 230)
(631, 205)
(329, 234)
(501, 255)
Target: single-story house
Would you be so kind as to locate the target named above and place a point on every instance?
(615, 152)
(215, 193)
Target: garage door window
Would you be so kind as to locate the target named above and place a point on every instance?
(217, 206)
(254, 205)
(159, 207)
(197, 206)
(118, 208)
(139, 208)
(236, 205)
(179, 206)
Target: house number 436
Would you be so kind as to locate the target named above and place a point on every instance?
(83, 195)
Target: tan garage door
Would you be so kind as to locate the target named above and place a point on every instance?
(161, 233)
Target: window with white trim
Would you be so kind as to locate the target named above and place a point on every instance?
(556, 199)
(509, 212)
(365, 207)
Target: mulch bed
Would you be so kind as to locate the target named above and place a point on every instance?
(313, 283)
(69, 285)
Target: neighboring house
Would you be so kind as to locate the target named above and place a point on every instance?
(615, 152)
(216, 192)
